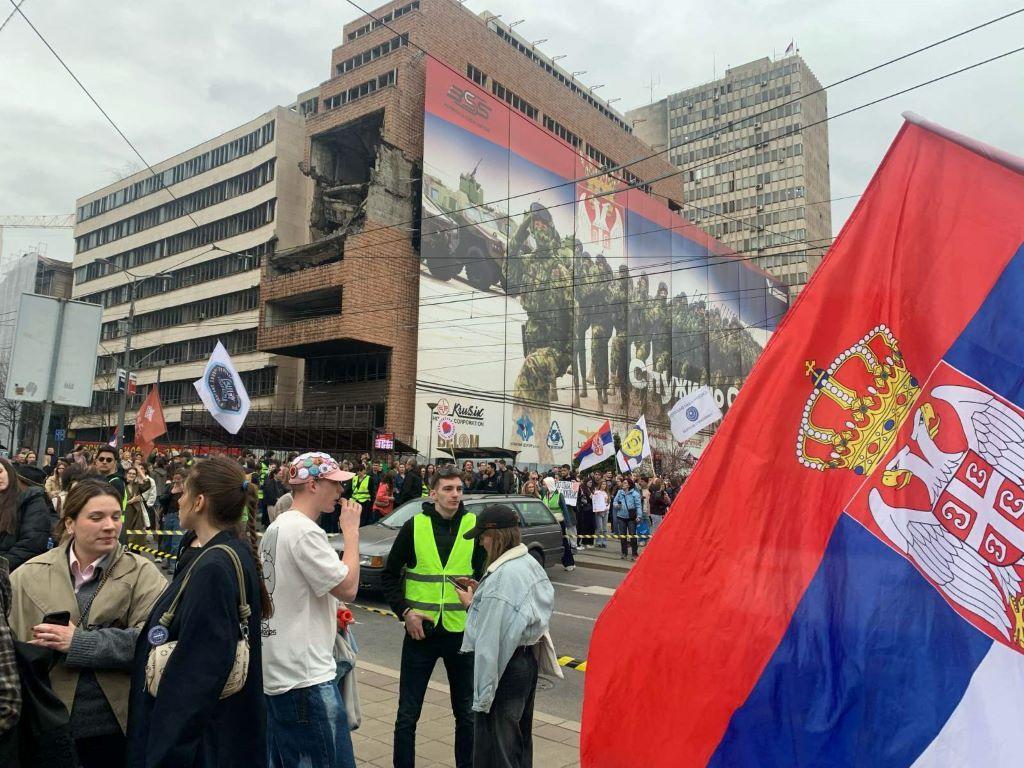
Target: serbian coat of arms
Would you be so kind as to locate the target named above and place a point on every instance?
(943, 463)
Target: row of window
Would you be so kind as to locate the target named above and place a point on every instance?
(215, 194)
(582, 91)
(193, 312)
(792, 238)
(196, 274)
(759, 200)
(777, 113)
(761, 221)
(372, 54)
(381, 21)
(779, 155)
(781, 260)
(513, 99)
(229, 226)
(719, 108)
(187, 351)
(259, 383)
(217, 156)
(361, 90)
(757, 180)
(562, 132)
(709, 91)
(759, 140)
(348, 369)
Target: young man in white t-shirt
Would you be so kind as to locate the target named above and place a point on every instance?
(306, 720)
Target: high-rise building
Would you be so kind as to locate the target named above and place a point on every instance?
(349, 301)
(755, 154)
(185, 246)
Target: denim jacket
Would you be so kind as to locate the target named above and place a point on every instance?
(626, 502)
(511, 607)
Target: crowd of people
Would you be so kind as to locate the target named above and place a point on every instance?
(107, 661)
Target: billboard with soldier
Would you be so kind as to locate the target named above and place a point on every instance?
(549, 304)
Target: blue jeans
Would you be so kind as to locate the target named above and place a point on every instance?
(308, 728)
(170, 544)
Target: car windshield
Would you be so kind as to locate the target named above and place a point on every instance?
(397, 518)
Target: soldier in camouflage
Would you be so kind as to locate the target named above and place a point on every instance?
(602, 323)
(541, 278)
(619, 303)
(660, 321)
(639, 327)
(585, 302)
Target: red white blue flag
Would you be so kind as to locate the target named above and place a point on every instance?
(839, 582)
(599, 447)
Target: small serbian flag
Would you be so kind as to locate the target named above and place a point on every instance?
(596, 448)
(840, 581)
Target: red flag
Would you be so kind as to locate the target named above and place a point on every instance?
(803, 602)
(149, 421)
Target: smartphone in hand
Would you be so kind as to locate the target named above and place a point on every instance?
(62, 618)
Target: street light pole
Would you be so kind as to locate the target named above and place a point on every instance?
(127, 366)
(430, 432)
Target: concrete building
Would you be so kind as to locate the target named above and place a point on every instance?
(347, 302)
(30, 273)
(191, 239)
(757, 171)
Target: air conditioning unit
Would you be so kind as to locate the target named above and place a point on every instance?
(689, 105)
(764, 83)
(760, 186)
(716, 97)
(760, 208)
(757, 126)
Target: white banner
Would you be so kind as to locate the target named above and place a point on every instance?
(569, 490)
(692, 413)
(222, 392)
(635, 448)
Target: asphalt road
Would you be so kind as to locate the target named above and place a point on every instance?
(579, 597)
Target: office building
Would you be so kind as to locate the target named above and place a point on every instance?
(754, 150)
(185, 246)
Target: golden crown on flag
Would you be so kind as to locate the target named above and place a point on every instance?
(857, 404)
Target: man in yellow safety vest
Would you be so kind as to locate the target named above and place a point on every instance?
(428, 550)
(363, 491)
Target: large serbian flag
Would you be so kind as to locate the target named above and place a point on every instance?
(840, 581)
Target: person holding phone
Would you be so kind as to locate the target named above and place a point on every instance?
(86, 600)
(507, 633)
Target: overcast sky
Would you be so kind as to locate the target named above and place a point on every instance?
(175, 74)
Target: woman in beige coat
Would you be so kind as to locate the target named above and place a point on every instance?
(106, 594)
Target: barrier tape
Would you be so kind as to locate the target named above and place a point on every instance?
(147, 532)
(151, 551)
(643, 536)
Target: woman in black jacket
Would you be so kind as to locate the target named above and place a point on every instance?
(27, 517)
(188, 723)
(412, 486)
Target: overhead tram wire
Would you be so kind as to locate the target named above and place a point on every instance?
(109, 119)
(628, 186)
(595, 175)
(751, 119)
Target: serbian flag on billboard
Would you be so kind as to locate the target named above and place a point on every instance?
(839, 583)
(149, 421)
(596, 448)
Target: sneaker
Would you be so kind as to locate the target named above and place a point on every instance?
(570, 567)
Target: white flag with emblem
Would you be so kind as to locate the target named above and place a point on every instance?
(222, 391)
(692, 413)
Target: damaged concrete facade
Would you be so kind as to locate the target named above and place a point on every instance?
(347, 302)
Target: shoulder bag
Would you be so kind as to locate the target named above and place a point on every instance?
(159, 655)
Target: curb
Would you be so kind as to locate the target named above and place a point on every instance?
(602, 566)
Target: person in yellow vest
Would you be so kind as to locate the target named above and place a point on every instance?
(363, 490)
(431, 547)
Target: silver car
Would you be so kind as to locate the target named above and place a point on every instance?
(540, 531)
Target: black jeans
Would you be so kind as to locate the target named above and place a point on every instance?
(504, 736)
(418, 660)
(101, 751)
(626, 527)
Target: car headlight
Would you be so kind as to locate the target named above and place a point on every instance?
(371, 561)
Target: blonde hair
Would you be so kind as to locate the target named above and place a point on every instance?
(500, 541)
